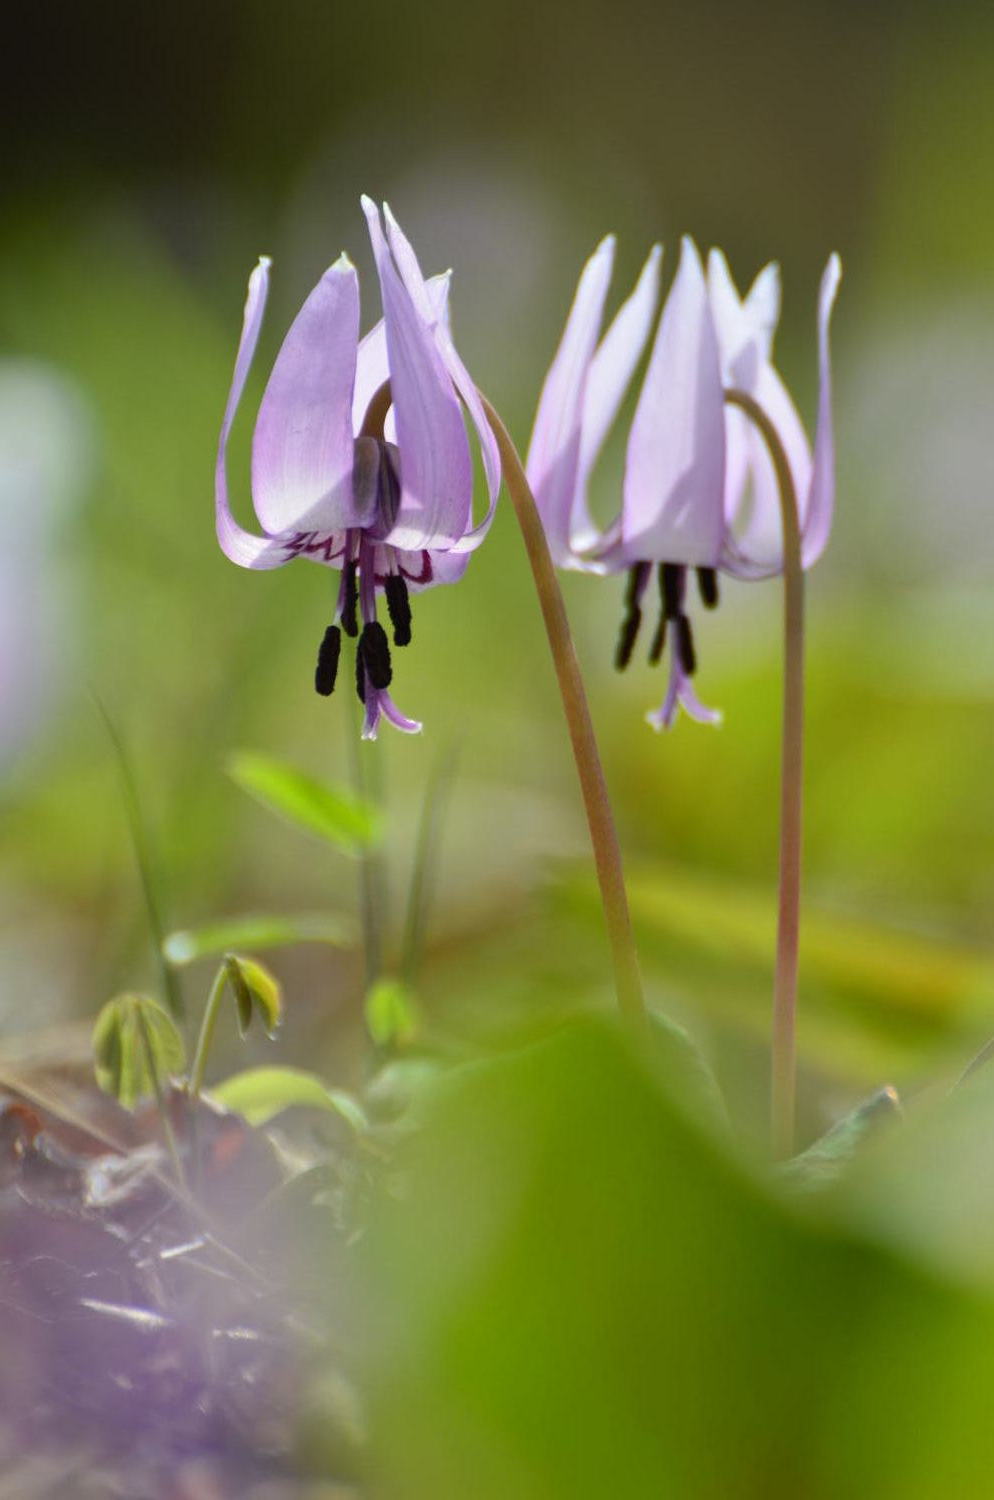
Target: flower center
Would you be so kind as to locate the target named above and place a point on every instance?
(370, 566)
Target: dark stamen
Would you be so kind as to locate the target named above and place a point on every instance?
(672, 585)
(685, 645)
(626, 641)
(360, 673)
(634, 590)
(350, 620)
(398, 608)
(329, 651)
(658, 642)
(375, 652)
(707, 583)
(637, 579)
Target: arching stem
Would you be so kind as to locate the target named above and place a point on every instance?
(783, 1079)
(600, 820)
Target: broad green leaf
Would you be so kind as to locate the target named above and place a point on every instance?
(687, 1072)
(253, 985)
(261, 1093)
(132, 1035)
(333, 813)
(580, 1293)
(256, 932)
(397, 1088)
(391, 1013)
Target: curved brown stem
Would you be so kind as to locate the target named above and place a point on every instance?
(376, 412)
(600, 820)
(783, 1082)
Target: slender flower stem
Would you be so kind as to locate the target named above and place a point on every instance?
(783, 1082)
(600, 820)
(207, 1027)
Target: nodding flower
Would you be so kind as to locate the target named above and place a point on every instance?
(360, 457)
(700, 492)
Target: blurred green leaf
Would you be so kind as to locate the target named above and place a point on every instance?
(576, 1292)
(928, 1189)
(688, 1073)
(901, 986)
(826, 1160)
(898, 968)
(399, 1088)
(127, 1029)
(391, 1013)
(261, 1093)
(187, 946)
(333, 813)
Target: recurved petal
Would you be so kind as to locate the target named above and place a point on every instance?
(241, 546)
(446, 567)
(759, 531)
(436, 469)
(372, 365)
(608, 379)
(762, 304)
(745, 327)
(410, 273)
(302, 448)
(554, 451)
(673, 508)
(821, 499)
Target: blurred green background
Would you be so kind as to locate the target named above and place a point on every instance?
(152, 154)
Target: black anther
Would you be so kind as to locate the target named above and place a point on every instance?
(658, 642)
(375, 652)
(672, 586)
(326, 672)
(350, 620)
(685, 645)
(626, 641)
(637, 578)
(707, 583)
(360, 673)
(398, 608)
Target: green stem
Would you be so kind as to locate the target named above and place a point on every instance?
(783, 1082)
(426, 843)
(207, 1028)
(600, 820)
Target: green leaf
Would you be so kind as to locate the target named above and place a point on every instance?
(261, 1093)
(254, 986)
(391, 1013)
(333, 813)
(257, 932)
(826, 1160)
(580, 1293)
(127, 1030)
